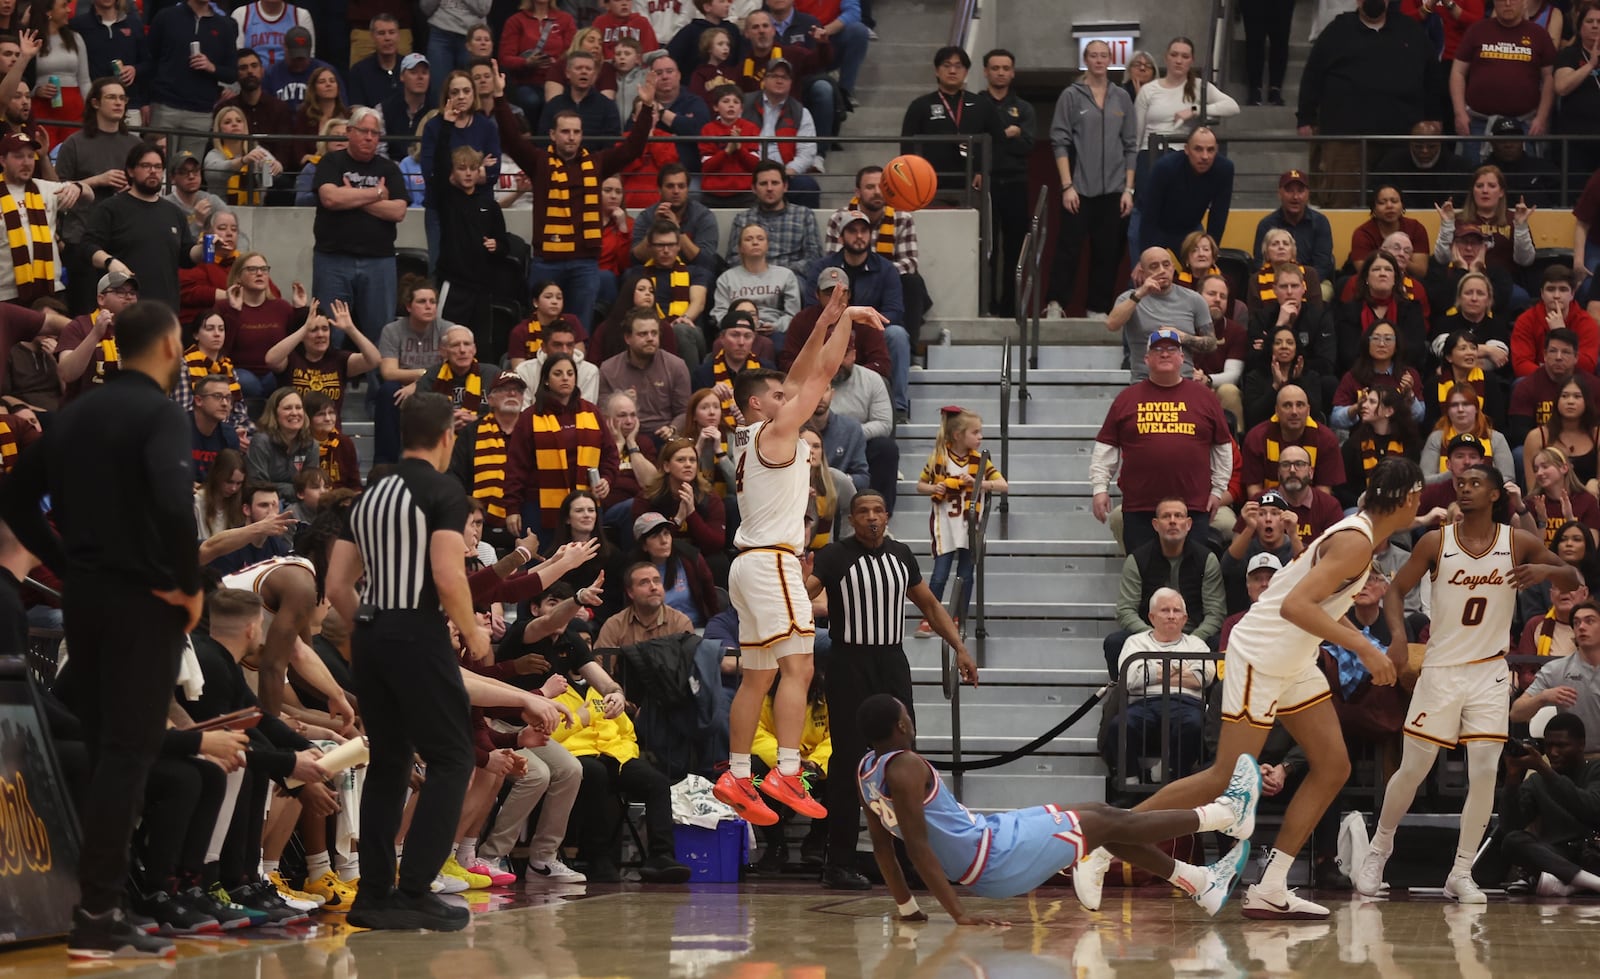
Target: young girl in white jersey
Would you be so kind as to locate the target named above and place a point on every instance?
(953, 478)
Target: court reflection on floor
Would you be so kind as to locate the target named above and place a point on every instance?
(798, 932)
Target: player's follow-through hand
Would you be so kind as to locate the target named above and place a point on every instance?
(866, 316)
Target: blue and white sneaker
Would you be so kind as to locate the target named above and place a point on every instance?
(1222, 877)
(1244, 791)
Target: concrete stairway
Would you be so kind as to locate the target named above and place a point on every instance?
(1052, 569)
(898, 69)
(1256, 184)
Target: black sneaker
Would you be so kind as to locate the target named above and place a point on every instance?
(261, 896)
(662, 869)
(843, 879)
(1254, 98)
(1275, 96)
(602, 871)
(814, 849)
(144, 923)
(404, 912)
(365, 908)
(773, 861)
(230, 918)
(174, 917)
(109, 936)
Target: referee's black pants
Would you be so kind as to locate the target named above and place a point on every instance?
(408, 681)
(123, 678)
(854, 674)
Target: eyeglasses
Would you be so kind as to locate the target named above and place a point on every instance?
(1291, 464)
(1379, 338)
(212, 396)
(263, 269)
(366, 131)
(149, 166)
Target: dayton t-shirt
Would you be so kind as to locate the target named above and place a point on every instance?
(355, 232)
(1165, 435)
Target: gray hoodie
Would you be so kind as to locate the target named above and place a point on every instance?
(1101, 142)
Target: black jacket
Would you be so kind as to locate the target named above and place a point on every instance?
(1358, 80)
(116, 464)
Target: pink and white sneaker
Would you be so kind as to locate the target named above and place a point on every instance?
(497, 877)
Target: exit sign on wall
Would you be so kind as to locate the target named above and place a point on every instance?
(1121, 38)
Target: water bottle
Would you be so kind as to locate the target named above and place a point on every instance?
(208, 245)
(55, 100)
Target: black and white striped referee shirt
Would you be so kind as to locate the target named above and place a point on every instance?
(866, 590)
(392, 523)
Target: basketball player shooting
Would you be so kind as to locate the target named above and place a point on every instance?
(1476, 567)
(772, 481)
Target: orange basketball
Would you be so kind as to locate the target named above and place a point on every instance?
(909, 183)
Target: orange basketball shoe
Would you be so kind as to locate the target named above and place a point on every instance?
(789, 790)
(741, 795)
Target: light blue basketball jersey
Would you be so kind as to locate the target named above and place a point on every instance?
(997, 854)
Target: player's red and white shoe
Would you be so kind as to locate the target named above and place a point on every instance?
(740, 794)
(789, 790)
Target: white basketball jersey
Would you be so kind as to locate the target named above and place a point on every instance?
(1270, 643)
(1473, 600)
(772, 499)
(250, 579)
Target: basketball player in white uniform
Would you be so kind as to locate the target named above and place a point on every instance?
(1271, 676)
(767, 586)
(1476, 567)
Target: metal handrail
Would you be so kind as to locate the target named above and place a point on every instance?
(1027, 290)
(961, 22)
(1557, 157)
(1005, 418)
(977, 520)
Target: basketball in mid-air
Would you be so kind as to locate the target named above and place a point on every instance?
(909, 183)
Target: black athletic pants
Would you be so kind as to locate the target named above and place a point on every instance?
(240, 859)
(854, 674)
(639, 781)
(1100, 223)
(125, 648)
(1266, 21)
(1520, 848)
(182, 802)
(408, 681)
(1008, 201)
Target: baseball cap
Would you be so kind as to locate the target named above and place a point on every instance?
(1465, 230)
(1273, 498)
(116, 280)
(509, 379)
(412, 60)
(1263, 562)
(13, 142)
(297, 37)
(648, 524)
(184, 156)
(830, 277)
(1292, 177)
(738, 318)
(1466, 440)
(1507, 126)
(851, 217)
(1164, 335)
(783, 63)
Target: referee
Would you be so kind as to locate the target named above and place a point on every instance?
(867, 578)
(405, 533)
(114, 465)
